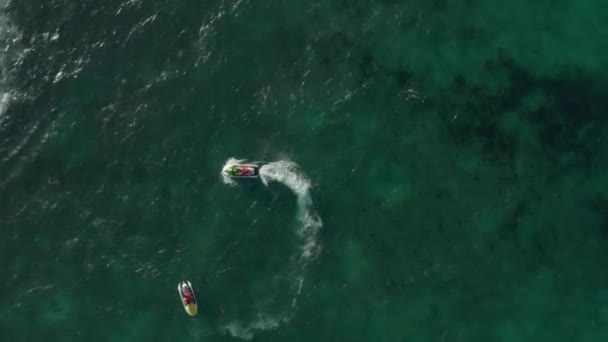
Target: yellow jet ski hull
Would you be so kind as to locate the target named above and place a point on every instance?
(192, 307)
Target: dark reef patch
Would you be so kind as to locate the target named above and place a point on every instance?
(564, 119)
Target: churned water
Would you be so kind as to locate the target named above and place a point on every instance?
(432, 170)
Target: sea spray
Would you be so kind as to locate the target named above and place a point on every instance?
(225, 178)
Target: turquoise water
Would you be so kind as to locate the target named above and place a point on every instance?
(434, 170)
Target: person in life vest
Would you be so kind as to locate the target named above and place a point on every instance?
(186, 294)
(242, 170)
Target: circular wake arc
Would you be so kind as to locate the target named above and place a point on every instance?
(288, 174)
(308, 225)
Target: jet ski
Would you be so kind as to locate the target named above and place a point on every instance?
(186, 294)
(242, 171)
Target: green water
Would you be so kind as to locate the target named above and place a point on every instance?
(450, 181)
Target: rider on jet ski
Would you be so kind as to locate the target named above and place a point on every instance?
(241, 170)
(186, 294)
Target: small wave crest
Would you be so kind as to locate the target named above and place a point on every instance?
(308, 225)
(6, 31)
(4, 97)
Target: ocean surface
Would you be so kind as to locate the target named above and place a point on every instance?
(432, 170)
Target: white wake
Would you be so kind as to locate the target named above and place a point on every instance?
(307, 228)
(287, 173)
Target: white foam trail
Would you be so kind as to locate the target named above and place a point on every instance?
(308, 225)
(287, 173)
(245, 332)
